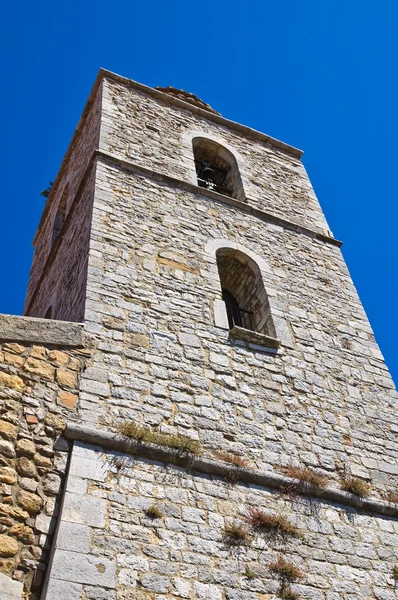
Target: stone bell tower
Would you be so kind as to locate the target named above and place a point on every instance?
(217, 307)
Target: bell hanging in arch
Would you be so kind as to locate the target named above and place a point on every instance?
(207, 175)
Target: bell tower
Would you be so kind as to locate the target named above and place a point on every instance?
(219, 309)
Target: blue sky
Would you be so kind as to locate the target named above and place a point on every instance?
(318, 75)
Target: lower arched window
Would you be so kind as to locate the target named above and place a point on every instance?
(243, 292)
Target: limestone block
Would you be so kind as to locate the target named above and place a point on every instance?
(187, 339)
(84, 509)
(28, 329)
(84, 568)
(74, 537)
(87, 468)
(63, 590)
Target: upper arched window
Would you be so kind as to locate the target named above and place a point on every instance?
(243, 292)
(217, 168)
(60, 216)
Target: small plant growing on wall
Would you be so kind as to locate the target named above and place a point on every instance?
(286, 593)
(395, 572)
(233, 459)
(356, 486)
(249, 573)
(236, 534)
(180, 443)
(285, 570)
(274, 526)
(305, 476)
(154, 512)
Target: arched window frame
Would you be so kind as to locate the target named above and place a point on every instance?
(281, 327)
(227, 152)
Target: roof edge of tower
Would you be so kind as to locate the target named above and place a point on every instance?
(213, 116)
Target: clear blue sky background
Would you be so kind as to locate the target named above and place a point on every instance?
(317, 74)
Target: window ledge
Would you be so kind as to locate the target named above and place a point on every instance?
(253, 340)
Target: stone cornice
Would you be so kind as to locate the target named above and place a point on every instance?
(114, 441)
(41, 331)
(245, 207)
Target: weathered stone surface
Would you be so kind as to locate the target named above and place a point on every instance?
(67, 400)
(11, 587)
(7, 430)
(7, 448)
(84, 509)
(26, 467)
(40, 368)
(63, 590)
(75, 537)
(8, 546)
(55, 421)
(25, 446)
(29, 502)
(42, 461)
(11, 381)
(13, 511)
(23, 533)
(66, 378)
(6, 565)
(58, 358)
(52, 484)
(7, 475)
(27, 329)
(84, 568)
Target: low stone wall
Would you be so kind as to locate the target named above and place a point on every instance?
(38, 393)
(112, 549)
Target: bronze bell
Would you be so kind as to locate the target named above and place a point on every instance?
(207, 175)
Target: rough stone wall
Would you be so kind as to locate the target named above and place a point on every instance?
(327, 402)
(58, 274)
(38, 393)
(112, 550)
(153, 134)
(64, 285)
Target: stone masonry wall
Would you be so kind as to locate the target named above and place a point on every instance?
(38, 393)
(112, 550)
(157, 136)
(327, 402)
(64, 284)
(58, 276)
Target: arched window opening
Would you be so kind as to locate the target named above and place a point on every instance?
(60, 216)
(217, 168)
(243, 292)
